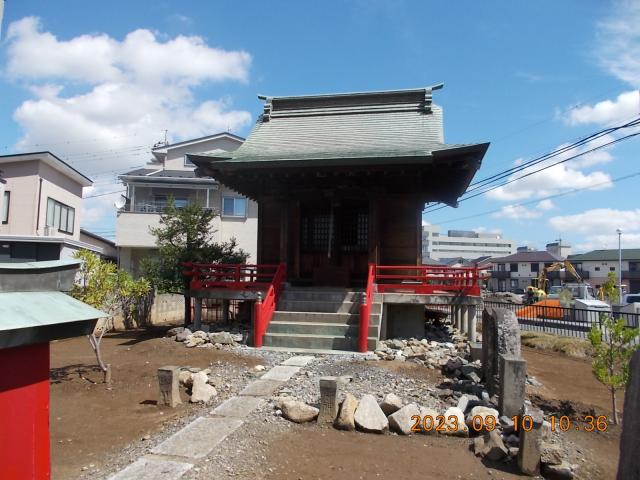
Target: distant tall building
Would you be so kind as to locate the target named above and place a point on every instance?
(463, 243)
(559, 249)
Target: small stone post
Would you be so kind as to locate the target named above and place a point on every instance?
(472, 323)
(464, 318)
(168, 381)
(457, 315)
(629, 465)
(529, 452)
(197, 314)
(512, 384)
(329, 393)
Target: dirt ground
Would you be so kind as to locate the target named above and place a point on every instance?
(89, 421)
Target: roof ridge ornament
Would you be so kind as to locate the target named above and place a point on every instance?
(428, 96)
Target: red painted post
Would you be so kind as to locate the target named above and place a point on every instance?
(363, 332)
(257, 322)
(24, 412)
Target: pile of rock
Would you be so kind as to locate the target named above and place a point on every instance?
(202, 338)
(200, 384)
(430, 353)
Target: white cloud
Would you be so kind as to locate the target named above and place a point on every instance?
(607, 112)
(517, 212)
(619, 41)
(545, 205)
(597, 221)
(122, 95)
(598, 227)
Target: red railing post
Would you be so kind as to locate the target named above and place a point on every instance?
(257, 322)
(365, 310)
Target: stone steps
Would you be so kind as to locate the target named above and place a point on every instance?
(320, 319)
(315, 342)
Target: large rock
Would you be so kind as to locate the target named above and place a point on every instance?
(402, 421)
(224, 338)
(454, 423)
(194, 341)
(488, 415)
(186, 378)
(298, 411)
(201, 391)
(369, 416)
(563, 471)
(493, 447)
(172, 332)
(346, 416)
(183, 335)
(430, 424)
(391, 403)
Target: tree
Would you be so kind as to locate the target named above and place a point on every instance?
(613, 347)
(185, 234)
(103, 286)
(609, 289)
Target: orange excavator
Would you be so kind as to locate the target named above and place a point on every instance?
(539, 305)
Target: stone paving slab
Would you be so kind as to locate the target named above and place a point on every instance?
(298, 361)
(198, 438)
(261, 388)
(281, 373)
(237, 407)
(152, 469)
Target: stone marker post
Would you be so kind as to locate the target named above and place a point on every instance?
(529, 452)
(629, 465)
(329, 393)
(472, 335)
(500, 336)
(168, 380)
(512, 384)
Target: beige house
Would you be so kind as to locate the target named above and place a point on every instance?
(171, 175)
(40, 209)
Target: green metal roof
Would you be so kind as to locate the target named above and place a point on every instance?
(19, 310)
(607, 255)
(392, 124)
(39, 265)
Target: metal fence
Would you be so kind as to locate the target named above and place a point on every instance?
(569, 322)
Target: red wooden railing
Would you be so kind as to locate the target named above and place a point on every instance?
(365, 310)
(427, 279)
(230, 276)
(264, 308)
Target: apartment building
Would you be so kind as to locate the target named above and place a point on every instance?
(170, 174)
(40, 208)
(598, 263)
(518, 270)
(464, 244)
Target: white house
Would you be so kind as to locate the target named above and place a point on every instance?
(40, 208)
(170, 174)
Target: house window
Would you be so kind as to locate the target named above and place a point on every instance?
(60, 216)
(513, 267)
(5, 207)
(187, 162)
(597, 269)
(502, 267)
(234, 207)
(535, 267)
(612, 269)
(514, 283)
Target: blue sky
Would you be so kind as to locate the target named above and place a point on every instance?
(98, 83)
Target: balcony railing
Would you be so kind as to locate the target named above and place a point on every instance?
(151, 207)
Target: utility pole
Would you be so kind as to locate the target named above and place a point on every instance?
(619, 232)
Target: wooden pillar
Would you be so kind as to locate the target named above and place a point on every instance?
(284, 233)
(259, 251)
(374, 231)
(294, 235)
(419, 233)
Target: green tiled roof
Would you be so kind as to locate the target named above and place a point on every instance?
(402, 123)
(607, 255)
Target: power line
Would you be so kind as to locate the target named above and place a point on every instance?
(527, 165)
(549, 197)
(103, 194)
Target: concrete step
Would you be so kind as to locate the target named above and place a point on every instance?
(315, 328)
(320, 295)
(324, 306)
(315, 342)
(320, 317)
